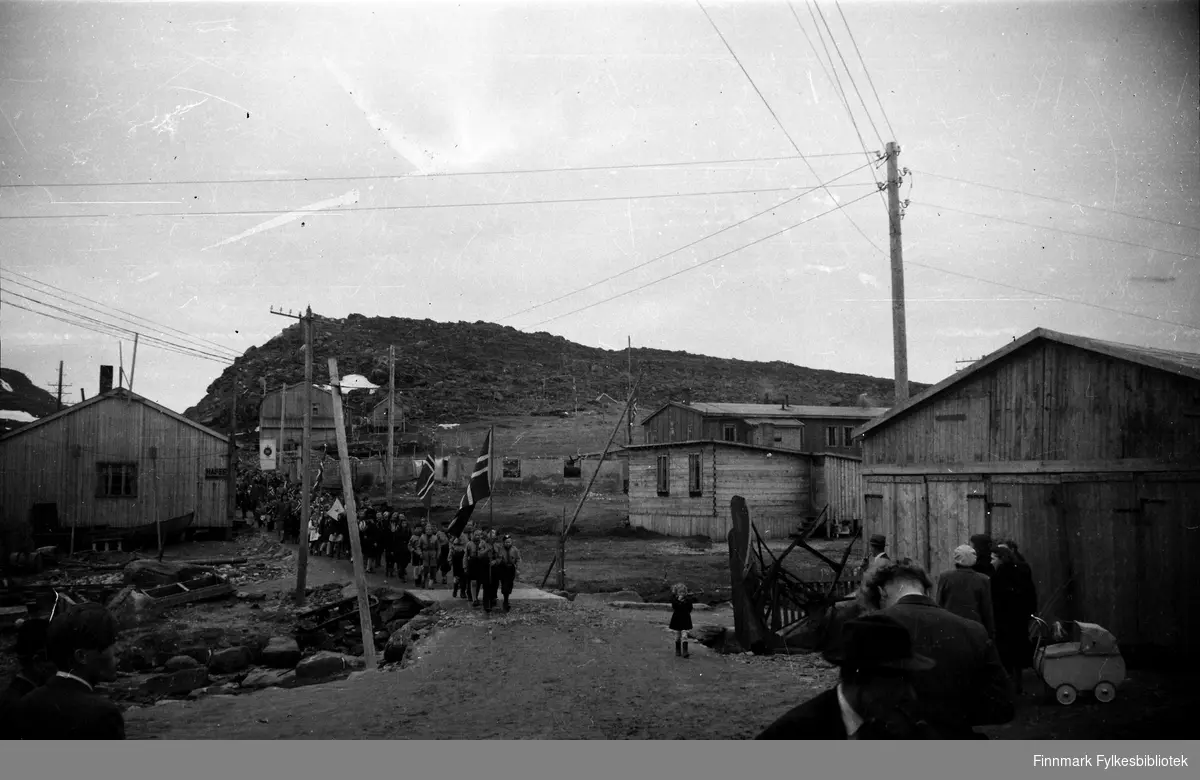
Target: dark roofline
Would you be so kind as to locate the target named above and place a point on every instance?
(1128, 353)
(115, 393)
(705, 442)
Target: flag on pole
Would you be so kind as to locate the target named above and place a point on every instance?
(425, 478)
(336, 509)
(479, 488)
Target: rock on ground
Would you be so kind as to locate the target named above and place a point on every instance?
(175, 683)
(269, 678)
(280, 653)
(178, 663)
(230, 660)
(325, 664)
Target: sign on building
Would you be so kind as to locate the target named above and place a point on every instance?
(220, 472)
(267, 455)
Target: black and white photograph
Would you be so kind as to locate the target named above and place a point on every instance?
(676, 370)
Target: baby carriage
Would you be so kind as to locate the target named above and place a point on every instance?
(1087, 659)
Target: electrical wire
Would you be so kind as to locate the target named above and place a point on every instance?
(685, 246)
(407, 207)
(108, 329)
(870, 81)
(1065, 299)
(1057, 230)
(849, 75)
(836, 82)
(698, 265)
(164, 329)
(1058, 200)
(400, 176)
(733, 54)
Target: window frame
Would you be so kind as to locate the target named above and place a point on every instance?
(126, 472)
(695, 474)
(663, 474)
(831, 436)
(729, 432)
(848, 433)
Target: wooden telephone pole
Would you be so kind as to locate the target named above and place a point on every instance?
(60, 386)
(305, 451)
(899, 332)
(629, 388)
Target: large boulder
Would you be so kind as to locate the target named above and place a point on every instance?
(397, 645)
(151, 573)
(281, 653)
(131, 608)
(269, 678)
(325, 664)
(230, 660)
(175, 683)
(180, 662)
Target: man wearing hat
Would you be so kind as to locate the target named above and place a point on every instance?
(874, 698)
(80, 642)
(966, 592)
(876, 557)
(969, 688)
(34, 668)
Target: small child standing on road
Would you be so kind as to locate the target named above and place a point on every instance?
(681, 617)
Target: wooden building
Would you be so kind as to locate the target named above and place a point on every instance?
(115, 461)
(378, 419)
(291, 399)
(775, 426)
(684, 488)
(1085, 452)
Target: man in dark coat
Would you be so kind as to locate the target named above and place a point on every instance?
(34, 668)
(80, 642)
(876, 557)
(874, 698)
(983, 554)
(1014, 595)
(966, 592)
(969, 688)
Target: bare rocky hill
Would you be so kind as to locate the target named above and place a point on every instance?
(20, 399)
(458, 372)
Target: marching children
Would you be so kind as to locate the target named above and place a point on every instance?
(458, 551)
(681, 617)
(414, 550)
(429, 552)
(478, 563)
(443, 553)
(506, 567)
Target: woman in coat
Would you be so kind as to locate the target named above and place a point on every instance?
(1014, 598)
(681, 617)
(966, 592)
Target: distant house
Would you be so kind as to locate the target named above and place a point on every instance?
(1085, 452)
(289, 400)
(378, 418)
(115, 461)
(778, 426)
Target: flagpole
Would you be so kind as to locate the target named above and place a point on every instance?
(491, 471)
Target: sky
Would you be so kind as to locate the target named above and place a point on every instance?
(187, 167)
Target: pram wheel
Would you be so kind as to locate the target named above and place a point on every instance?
(1065, 694)
(1105, 692)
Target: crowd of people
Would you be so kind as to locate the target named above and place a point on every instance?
(923, 661)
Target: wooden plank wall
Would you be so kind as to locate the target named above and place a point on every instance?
(837, 482)
(56, 463)
(673, 424)
(1047, 402)
(677, 514)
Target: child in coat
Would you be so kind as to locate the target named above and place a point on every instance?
(681, 617)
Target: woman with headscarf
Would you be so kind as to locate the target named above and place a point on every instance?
(1014, 598)
(966, 592)
(681, 617)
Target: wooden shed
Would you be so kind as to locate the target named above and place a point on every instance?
(379, 415)
(684, 488)
(1085, 452)
(115, 461)
(284, 408)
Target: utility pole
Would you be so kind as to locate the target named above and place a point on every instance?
(231, 460)
(629, 387)
(133, 362)
(59, 384)
(305, 454)
(391, 423)
(899, 332)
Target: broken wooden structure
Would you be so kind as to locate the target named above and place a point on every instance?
(769, 600)
(205, 588)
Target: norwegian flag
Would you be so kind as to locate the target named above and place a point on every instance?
(479, 488)
(425, 478)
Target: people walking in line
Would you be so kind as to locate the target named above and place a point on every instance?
(506, 568)
(1014, 599)
(478, 567)
(443, 552)
(493, 582)
(966, 592)
(79, 641)
(969, 687)
(875, 697)
(681, 617)
(458, 552)
(429, 553)
(414, 550)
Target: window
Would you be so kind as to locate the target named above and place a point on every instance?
(445, 468)
(848, 433)
(316, 409)
(830, 436)
(664, 475)
(729, 432)
(694, 474)
(572, 469)
(116, 480)
(802, 446)
(512, 468)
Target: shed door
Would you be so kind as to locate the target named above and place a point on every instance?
(1101, 533)
(1167, 535)
(1025, 509)
(957, 509)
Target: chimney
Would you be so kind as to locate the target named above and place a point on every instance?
(687, 397)
(785, 401)
(106, 378)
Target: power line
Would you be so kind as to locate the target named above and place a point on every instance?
(1057, 230)
(1101, 307)
(407, 207)
(449, 174)
(836, 82)
(849, 75)
(698, 265)
(870, 81)
(156, 326)
(1057, 200)
(745, 72)
(119, 330)
(107, 332)
(685, 246)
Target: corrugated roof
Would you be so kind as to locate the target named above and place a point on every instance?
(116, 393)
(1185, 364)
